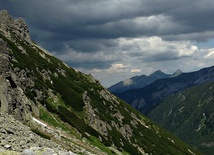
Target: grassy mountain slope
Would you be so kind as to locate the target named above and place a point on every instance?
(145, 99)
(34, 85)
(190, 116)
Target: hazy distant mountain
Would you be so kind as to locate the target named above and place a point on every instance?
(71, 110)
(140, 81)
(190, 116)
(145, 99)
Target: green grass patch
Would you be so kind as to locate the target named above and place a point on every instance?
(51, 119)
(96, 142)
(76, 122)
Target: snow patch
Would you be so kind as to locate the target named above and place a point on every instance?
(144, 124)
(171, 140)
(127, 82)
(39, 122)
(191, 151)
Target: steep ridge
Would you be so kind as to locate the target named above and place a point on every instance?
(190, 116)
(68, 107)
(145, 99)
(140, 81)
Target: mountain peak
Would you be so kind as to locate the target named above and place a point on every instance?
(17, 26)
(137, 81)
(157, 73)
(5, 18)
(177, 73)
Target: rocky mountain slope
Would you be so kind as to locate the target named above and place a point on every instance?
(19, 138)
(68, 107)
(147, 98)
(190, 116)
(140, 81)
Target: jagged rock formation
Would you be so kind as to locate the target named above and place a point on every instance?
(69, 107)
(18, 26)
(12, 98)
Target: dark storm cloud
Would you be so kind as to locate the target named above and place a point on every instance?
(197, 15)
(98, 33)
(165, 56)
(91, 65)
(112, 19)
(169, 54)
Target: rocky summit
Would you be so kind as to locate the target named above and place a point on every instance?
(50, 108)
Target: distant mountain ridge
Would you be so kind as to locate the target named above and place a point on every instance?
(141, 81)
(145, 99)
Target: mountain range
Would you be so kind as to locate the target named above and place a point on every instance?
(140, 81)
(181, 104)
(146, 98)
(48, 107)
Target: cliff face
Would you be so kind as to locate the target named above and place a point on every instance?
(67, 106)
(13, 100)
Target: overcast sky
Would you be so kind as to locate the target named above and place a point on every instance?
(118, 39)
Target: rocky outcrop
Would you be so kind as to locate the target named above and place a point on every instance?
(92, 119)
(18, 26)
(4, 57)
(12, 98)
